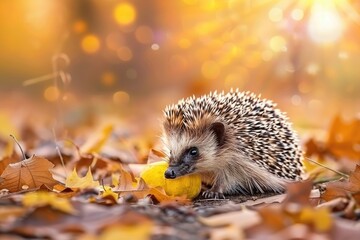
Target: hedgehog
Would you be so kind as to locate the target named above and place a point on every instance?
(238, 142)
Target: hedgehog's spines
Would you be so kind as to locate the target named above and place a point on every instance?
(255, 123)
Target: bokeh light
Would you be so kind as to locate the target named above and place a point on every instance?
(131, 73)
(51, 94)
(144, 34)
(184, 43)
(297, 14)
(90, 44)
(80, 26)
(325, 24)
(275, 14)
(124, 53)
(121, 98)
(277, 44)
(108, 78)
(155, 47)
(124, 13)
(210, 69)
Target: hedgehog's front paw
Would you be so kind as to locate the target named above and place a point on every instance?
(210, 194)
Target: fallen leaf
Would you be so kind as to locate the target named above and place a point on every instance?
(119, 231)
(10, 212)
(126, 181)
(344, 188)
(319, 218)
(115, 179)
(133, 226)
(243, 219)
(74, 181)
(298, 192)
(155, 156)
(41, 198)
(28, 174)
(5, 161)
(267, 200)
(344, 138)
(231, 232)
(274, 218)
(108, 193)
(97, 141)
(336, 204)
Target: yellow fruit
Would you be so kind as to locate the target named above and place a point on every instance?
(153, 174)
(189, 185)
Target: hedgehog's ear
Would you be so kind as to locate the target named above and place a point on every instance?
(219, 129)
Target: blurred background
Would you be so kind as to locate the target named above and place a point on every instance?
(69, 63)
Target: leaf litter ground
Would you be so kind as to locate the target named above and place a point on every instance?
(91, 190)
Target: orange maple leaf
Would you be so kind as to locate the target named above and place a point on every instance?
(29, 173)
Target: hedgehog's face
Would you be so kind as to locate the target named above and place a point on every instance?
(192, 151)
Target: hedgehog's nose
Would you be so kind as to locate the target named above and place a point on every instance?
(169, 173)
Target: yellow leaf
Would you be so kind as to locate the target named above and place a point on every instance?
(97, 141)
(74, 181)
(320, 218)
(39, 199)
(29, 173)
(115, 179)
(131, 226)
(108, 193)
(189, 185)
(139, 232)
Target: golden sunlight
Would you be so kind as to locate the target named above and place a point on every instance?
(325, 24)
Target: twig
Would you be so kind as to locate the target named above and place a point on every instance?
(22, 152)
(58, 151)
(325, 180)
(321, 165)
(40, 79)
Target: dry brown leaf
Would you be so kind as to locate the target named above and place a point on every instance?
(344, 188)
(244, 219)
(5, 161)
(28, 174)
(10, 212)
(298, 192)
(126, 181)
(267, 200)
(155, 156)
(231, 232)
(273, 217)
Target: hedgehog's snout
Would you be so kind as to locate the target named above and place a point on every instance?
(170, 173)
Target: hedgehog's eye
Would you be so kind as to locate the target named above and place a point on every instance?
(194, 151)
